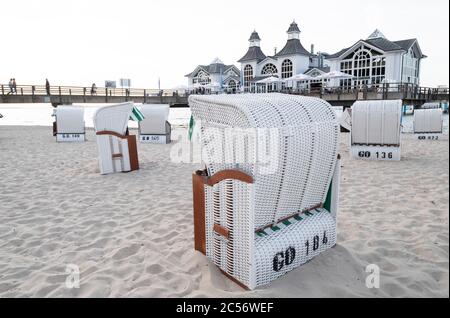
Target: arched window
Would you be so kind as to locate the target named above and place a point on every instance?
(269, 69)
(202, 77)
(287, 69)
(362, 63)
(232, 86)
(368, 66)
(248, 75)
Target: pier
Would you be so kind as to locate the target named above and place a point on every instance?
(73, 94)
(338, 96)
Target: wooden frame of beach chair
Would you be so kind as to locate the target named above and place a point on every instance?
(428, 124)
(155, 127)
(376, 130)
(69, 124)
(257, 225)
(117, 151)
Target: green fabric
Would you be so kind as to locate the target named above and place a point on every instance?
(298, 217)
(275, 228)
(191, 127)
(327, 204)
(136, 115)
(286, 222)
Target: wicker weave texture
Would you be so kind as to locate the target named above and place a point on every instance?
(301, 133)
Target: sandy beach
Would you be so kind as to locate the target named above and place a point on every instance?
(131, 235)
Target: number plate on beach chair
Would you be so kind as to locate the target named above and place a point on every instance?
(153, 139)
(70, 137)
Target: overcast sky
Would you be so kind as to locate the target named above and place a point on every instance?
(78, 42)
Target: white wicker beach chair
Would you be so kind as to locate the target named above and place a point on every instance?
(428, 123)
(155, 128)
(69, 124)
(117, 151)
(376, 129)
(255, 223)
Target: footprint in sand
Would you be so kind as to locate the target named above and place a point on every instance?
(126, 252)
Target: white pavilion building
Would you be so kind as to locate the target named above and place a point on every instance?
(378, 60)
(215, 77)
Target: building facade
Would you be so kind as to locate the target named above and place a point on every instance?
(378, 60)
(215, 77)
(291, 60)
(371, 62)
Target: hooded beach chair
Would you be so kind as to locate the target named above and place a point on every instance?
(69, 123)
(376, 129)
(268, 199)
(155, 128)
(428, 123)
(117, 151)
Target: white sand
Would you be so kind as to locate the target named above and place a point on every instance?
(132, 234)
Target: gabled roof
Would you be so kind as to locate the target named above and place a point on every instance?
(234, 78)
(254, 53)
(376, 34)
(325, 69)
(293, 47)
(411, 43)
(383, 44)
(214, 68)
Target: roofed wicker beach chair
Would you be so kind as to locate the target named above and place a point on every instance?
(69, 124)
(155, 128)
(268, 199)
(117, 151)
(428, 123)
(376, 129)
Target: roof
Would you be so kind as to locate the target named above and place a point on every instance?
(384, 45)
(214, 68)
(261, 77)
(376, 34)
(293, 27)
(234, 78)
(293, 47)
(324, 69)
(254, 37)
(407, 44)
(253, 53)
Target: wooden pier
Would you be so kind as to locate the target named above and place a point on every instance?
(338, 96)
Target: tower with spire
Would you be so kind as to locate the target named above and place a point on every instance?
(291, 60)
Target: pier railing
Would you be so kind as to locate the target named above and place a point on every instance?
(40, 90)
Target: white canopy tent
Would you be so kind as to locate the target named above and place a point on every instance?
(335, 75)
(296, 79)
(271, 80)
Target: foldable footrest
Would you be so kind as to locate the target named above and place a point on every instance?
(292, 243)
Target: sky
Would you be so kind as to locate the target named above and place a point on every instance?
(79, 42)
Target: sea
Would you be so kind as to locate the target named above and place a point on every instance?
(41, 115)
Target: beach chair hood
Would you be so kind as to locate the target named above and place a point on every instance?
(70, 120)
(113, 118)
(155, 120)
(305, 131)
(428, 120)
(376, 122)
